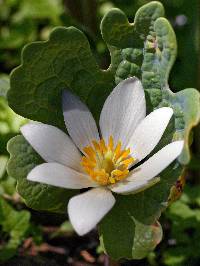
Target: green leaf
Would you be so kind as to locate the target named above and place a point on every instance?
(184, 217)
(9, 121)
(147, 237)
(191, 195)
(3, 162)
(146, 49)
(4, 85)
(134, 235)
(65, 61)
(37, 196)
(175, 257)
(7, 186)
(117, 230)
(149, 54)
(187, 113)
(16, 35)
(40, 9)
(14, 224)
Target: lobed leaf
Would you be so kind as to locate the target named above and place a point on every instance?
(37, 196)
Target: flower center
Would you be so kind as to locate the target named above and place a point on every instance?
(106, 164)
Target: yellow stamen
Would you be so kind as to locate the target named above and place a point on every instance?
(106, 164)
(117, 172)
(96, 145)
(110, 143)
(123, 175)
(117, 151)
(128, 161)
(124, 154)
(112, 180)
(90, 152)
(103, 146)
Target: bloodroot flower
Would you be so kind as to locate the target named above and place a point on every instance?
(102, 160)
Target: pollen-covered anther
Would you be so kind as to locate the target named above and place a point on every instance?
(106, 163)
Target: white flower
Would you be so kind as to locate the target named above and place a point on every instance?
(127, 137)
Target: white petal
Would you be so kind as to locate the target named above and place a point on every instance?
(145, 174)
(52, 144)
(87, 209)
(60, 176)
(123, 110)
(149, 132)
(79, 121)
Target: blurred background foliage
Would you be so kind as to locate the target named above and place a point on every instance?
(34, 237)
